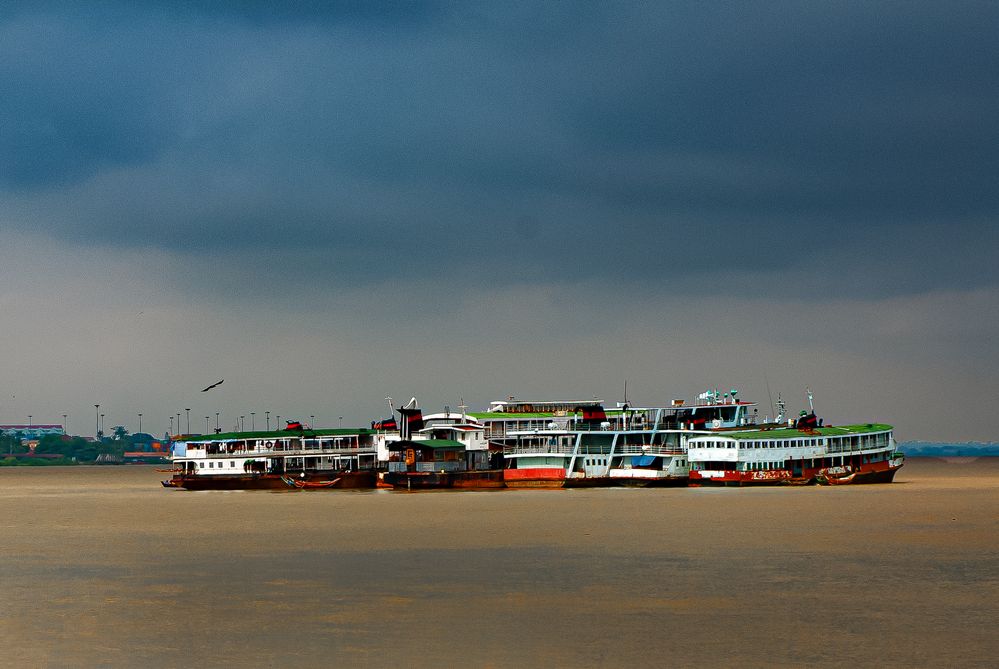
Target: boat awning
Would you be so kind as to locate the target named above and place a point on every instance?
(439, 443)
(642, 460)
(434, 444)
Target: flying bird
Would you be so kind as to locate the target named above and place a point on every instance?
(213, 385)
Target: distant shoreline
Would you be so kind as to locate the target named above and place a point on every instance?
(928, 449)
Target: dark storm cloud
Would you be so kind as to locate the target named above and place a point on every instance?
(855, 143)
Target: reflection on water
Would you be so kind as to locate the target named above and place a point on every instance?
(102, 566)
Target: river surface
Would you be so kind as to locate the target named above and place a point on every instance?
(103, 567)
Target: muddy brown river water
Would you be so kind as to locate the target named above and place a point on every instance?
(103, 567)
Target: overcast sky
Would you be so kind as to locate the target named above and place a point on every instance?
(345, 201)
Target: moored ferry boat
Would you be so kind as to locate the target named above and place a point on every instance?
(598, 448)
(293, 458)
(582, 444)
(802, 454)
(440, 451)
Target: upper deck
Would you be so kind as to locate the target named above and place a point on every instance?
(272, 434)
(680, 415)
(284, 443)
(826, 431)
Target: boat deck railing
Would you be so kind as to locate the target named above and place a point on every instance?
(651, 449)
(568, 449)
(541, 448)
(609, 426)
(493, 432)
(291, 452)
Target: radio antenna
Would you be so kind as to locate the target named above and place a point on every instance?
(773, 412)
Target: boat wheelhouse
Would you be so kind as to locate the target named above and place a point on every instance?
(844, 454)
(340, 458)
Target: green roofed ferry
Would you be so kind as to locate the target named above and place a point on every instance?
(294, 458)
(796, 455)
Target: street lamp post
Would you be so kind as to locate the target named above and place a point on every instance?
(253, 427)
(97, 414)
(140, 422)
(29, 420)
(339, 421)
(279, 422)
(188, 420)
(313, 423)
(217, 420)
(65, 424)
(206, 425)
(102, 425)
(178, 421)
(171, 425)
(268, 420)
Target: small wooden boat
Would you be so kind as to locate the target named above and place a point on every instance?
(800, 480)
(836, 475)
(305, 484)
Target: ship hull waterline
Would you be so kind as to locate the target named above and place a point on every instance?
(869, 473)
(445, 480)
(361, 479)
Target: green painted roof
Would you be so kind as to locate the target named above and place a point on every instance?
(276, 434)
(439, 443)
(793, 433)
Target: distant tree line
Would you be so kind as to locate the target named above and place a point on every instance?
(72, 450)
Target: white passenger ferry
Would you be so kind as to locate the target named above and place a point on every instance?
(296, 457)
(802, 454)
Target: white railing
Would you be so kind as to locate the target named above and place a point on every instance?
(290, 452)
(588, 449)
(654, 449)
(541, 449)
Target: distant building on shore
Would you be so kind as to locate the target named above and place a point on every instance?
(33, 432)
